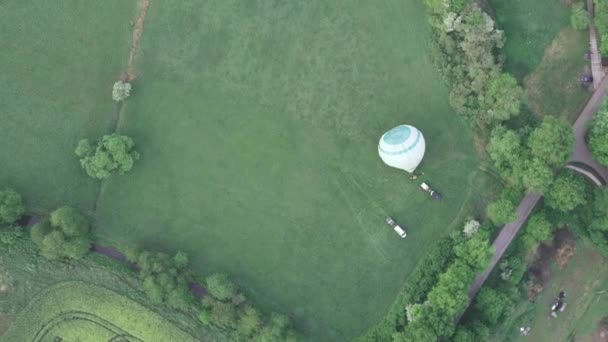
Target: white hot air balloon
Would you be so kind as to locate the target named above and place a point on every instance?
(402, 147)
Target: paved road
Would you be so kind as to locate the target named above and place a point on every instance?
(504, 239)
(580, 155)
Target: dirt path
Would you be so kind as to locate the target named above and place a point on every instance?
(138, 30)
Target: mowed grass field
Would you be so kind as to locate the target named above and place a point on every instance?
(58, 64)
(258, 125)
(77, 311)
(585, 282)
(545, 54)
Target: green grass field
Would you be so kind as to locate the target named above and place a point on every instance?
(585, 281)
(40, 291)
(77, 311)
(258, 129)
(545, 54)
(56, 72)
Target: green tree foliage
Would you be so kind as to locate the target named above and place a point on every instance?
(503, 97)
(601, 23)
(501, 211)
(9, 235)
(597, 225)
(164, 280)
(579, 18)
(219, 313)
(490, 305)
(538, 229)
(504, 148)
(450, 294)
(113, 154)
(567, 192)
(552, 142)
(11, 206)
(598, 134)
(64, 235)
(121, 90)
(220, 287)
(249, 321)
(475, 252)
(537, 176)
(464, 335)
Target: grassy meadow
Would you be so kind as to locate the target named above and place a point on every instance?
(258, 125)
(258, 128)
(585, 281)
(545, 54)
(56, 72)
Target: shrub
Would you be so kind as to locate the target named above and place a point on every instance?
(567, 192)
(538, 229)
(220, 287)
(164, 281)
(475, 252)
(598, 134)
(121, 90)
(65, 235)
(11, 206)
(471, 227)
(579, 18)
(113, 154)
(490, 305)
(501, 211)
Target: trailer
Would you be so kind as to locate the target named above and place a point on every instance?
(400, 231)
(434, 194)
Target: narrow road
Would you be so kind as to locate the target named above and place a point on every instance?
(581, 161)
(505, 237)
(581, 154)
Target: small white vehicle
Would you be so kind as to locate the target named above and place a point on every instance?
(400, 231)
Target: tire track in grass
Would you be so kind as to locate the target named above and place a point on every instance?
(138, 30)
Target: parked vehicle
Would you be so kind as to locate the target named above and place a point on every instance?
(436, 195)
(400, 231)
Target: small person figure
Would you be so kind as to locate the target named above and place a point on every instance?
(524, 331)
(413, 177)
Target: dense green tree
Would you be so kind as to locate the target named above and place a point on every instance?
(9, 234)
(165, 281)
(64, 235)
(476, 251)
(538, 229)
(579, 18)
(219, 313)
(567, 192)
(598, 233)
(504, 147)
(490, 305)
(450, 294)
(537, 176)
(113, 154)
(249, 321)
(71, 221)
(501, 211)
(220, 287)
(552, 142)
(181, 260)
(464, 335)
(598, 134)
(503, 97)
(11, 206)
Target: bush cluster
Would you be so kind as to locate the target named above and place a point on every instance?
(227, 308)
(601, 23)
(113, 154)
(65, 234)
(598, 134)
(468, 44)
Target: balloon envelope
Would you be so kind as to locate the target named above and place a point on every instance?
(402, 147)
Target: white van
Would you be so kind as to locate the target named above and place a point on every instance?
(400, 231)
